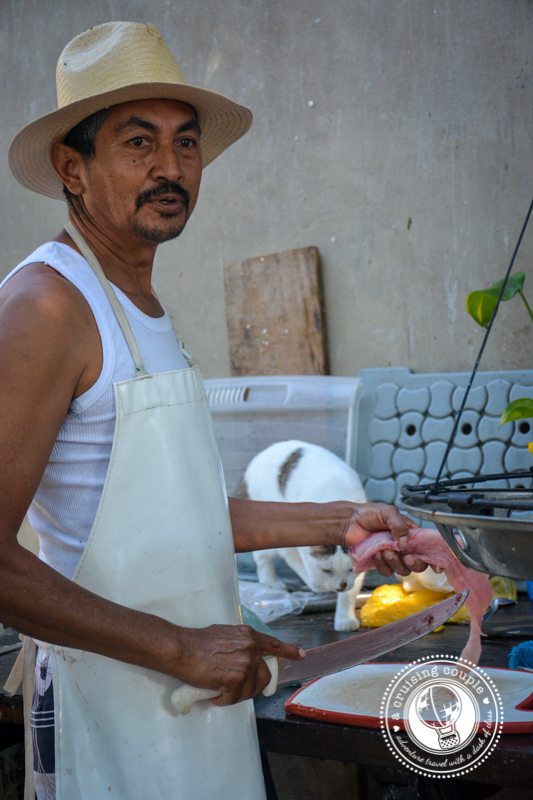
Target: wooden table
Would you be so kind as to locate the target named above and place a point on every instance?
(510, 765)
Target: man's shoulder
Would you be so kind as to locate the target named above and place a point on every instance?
(40, 293)
(47, 331)
(44, 316)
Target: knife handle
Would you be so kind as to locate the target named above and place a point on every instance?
(184, 697)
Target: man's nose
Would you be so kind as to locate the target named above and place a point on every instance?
(167, 163)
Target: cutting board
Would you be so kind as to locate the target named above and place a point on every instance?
(354, 696)
(275, 314)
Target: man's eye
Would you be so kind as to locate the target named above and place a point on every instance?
(138, 141)
(188, 143)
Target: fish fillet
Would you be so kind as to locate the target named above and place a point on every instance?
(428, 545)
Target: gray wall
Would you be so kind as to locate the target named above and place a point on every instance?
(396, 135)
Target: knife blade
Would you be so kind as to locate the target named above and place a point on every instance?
(336, 656)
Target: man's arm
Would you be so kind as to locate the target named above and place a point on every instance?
(48, 341)
(261, 525)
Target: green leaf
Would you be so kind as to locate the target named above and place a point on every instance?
(481, 304)
(514, 284)
(518, 409)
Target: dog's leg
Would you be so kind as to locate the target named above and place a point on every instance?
(345, 616)
(265, 562)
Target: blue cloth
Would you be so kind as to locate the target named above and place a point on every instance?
(521, 656)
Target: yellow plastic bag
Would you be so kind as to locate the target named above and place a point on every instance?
(391, 602)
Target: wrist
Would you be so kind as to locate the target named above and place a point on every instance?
(166, 648)
(341, 513)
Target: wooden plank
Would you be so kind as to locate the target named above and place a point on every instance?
(275, 314)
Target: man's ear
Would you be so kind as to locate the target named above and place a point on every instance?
(69, 165)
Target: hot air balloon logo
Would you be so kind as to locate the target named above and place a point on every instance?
(438, 706)
(440, 716)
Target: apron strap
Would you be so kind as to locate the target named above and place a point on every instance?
(125, 327)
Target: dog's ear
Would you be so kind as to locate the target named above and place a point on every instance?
(322, 550)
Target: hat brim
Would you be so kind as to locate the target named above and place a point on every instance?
(222, 122)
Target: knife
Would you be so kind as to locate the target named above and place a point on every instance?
(337, 656)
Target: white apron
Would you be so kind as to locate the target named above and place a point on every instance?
(161, 542)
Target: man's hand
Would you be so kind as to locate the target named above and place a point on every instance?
(369, 518)
(229, 659)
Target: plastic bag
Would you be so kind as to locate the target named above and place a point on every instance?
(391, 602)
(270, 604)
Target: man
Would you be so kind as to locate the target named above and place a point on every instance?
(105, 437)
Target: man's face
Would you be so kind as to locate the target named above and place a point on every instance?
(145, 175)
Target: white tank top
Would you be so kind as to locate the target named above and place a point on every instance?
(65, 504)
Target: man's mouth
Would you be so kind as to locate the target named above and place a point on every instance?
(172, 198)
(168, 201)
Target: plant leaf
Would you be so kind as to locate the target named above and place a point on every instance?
(518, 409)
(514, 284)
(481, 304)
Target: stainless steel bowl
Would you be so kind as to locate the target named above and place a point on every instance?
(498, 545)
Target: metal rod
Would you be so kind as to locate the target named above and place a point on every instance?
(486, 502)
(437, 487)
(482, 348)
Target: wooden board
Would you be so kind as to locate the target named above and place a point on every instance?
(275, 314)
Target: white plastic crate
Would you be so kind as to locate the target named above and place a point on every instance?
(252, 413)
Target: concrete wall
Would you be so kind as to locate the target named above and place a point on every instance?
(396, 135)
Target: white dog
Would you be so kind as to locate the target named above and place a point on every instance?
(295, 472)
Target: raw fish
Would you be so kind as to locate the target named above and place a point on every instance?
(428, 545)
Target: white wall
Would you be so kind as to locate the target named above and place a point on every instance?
(396, 135)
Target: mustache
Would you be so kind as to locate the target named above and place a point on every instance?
(169, 187)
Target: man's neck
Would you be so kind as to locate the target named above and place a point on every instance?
(127, 264)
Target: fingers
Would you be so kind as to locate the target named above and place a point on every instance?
(415, 564)
(396, 523)
(367, 518)
(389, 561)
(270, 646)
(234, 662)
(381, 564)
(256, 680)
(258, 675)
(379, 516)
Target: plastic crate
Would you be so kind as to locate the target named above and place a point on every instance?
(251, 413)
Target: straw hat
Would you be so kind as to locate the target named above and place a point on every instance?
(114, 63)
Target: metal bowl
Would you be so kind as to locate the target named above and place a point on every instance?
(496, 544)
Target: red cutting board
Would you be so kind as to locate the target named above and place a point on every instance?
(354, 696)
